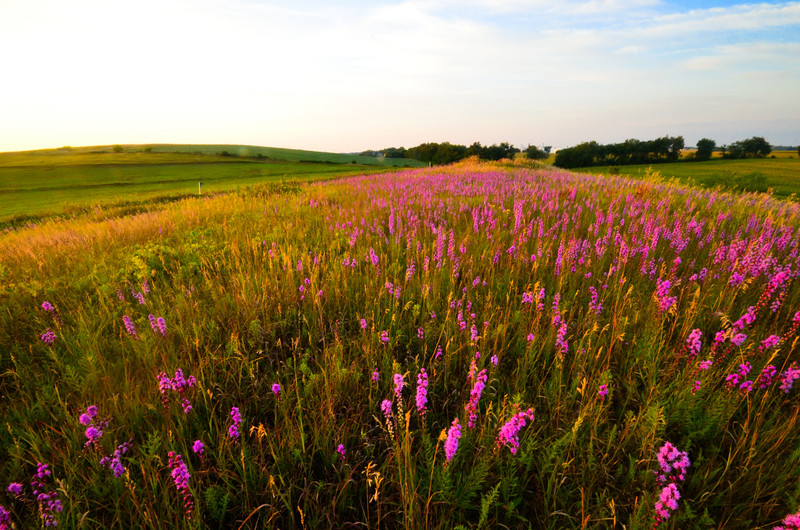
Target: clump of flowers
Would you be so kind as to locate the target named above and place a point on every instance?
(673, 465)
(233, 430)
(788, 377)
(451, 443)
(790, 522)
(158, 325)
(46, 496)
(398, 386)
(602, 392)
(509, 432)
(5, 518)
(341, 450)
(694, 343)
(198, 448)
(94, 427)
(48, 337)
(114, 461)
(129, 327)
(475, 394)
(180, 477)
(422, 391)
(663, 299)
(386, 409)
(178, 384)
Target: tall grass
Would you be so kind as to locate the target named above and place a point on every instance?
(554, 314)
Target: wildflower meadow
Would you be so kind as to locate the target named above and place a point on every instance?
(474, 346)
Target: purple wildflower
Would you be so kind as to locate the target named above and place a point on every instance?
(363, 324)
(199, 448)
(451, 443)
(790, 522)
(341, 450)
(509, 432)
(398, 386)
(276, 389)
(739, 339)
(48, 337)
(385, 337)
(47, 306)
(47, 498)
(180, 476)
(788, 377)
(15, 488)
(667, 502)
(5, 518)
(233, 430)
(694, 343)
(673, 463)
(129, 327)
(475, 397)
(422, 391)
(376, 375)
(602, 392)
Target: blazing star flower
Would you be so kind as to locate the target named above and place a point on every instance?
(386, 408)
(15, 488)
(475, 396)
(341, 450)
(672, 461)
(667, 502)
(199, 448)
(509, 432)
(385, 337)
(48, 337)
(233, 430)
(363, 324)
(180, 477)
(376, 375)
(451, 443)
(422, 391)
(530, 337)
(494, 360)
(602, 392)
(398, 385)
(276, 389)
(47, 306)
(739, 339)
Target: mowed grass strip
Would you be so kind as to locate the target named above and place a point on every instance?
(38, 190)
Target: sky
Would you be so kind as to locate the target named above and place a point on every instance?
(346, 76)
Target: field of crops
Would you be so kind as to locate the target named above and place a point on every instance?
(471, 345)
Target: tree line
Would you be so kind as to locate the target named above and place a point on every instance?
(447, 153)
(664, 149)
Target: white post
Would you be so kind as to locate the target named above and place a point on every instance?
(199, 188)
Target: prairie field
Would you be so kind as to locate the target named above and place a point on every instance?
(474, 346)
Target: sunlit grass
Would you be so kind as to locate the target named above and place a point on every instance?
(557, 300)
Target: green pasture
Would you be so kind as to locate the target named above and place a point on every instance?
(781, 174)
(37, 183)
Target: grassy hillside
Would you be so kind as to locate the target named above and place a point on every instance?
(36, 183)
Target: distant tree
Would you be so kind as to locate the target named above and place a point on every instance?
(534, 153)
(117, 148)
(798, 149)
(581, 155)
(705, 147)
(755, 147)
(395, 152)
